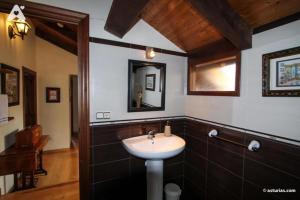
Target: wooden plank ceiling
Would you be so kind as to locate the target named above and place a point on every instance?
(179, 21)
(261, 12)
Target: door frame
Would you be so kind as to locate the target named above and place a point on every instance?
(33, 73)
(46, 12)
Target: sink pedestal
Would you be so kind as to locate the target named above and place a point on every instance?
(154, 151)
(155, 170)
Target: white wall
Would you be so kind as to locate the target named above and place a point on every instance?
(54, 67)
(109, 82)
(275, 115)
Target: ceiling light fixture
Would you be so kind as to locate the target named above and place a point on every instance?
(60, 25)
(150, 53)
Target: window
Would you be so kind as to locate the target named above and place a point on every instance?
(218, 77)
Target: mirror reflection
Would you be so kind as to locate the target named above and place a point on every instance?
(146, 86)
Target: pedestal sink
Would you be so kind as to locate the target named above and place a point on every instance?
(154, 151)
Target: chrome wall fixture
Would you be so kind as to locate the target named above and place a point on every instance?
(150, 53)
(254, 145)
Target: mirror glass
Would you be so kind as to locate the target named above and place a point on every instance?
(146, 86)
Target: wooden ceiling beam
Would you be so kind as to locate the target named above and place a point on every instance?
(55, 36)
(70, 47)
(40, 25)
(213, 51)
(123, 15)
(221, 15)
(64, 30)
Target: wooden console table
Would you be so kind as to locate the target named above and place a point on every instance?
(26, 161)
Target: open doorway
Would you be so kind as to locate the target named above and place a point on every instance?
(50, 59)
(81, 20)
(74, 110)
(29, 97)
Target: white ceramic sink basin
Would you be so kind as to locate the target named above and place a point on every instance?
(161, 147)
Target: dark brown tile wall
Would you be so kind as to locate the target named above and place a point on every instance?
(229, 171)
(118, 175)
(209, 169)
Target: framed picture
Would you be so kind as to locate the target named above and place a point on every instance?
(150, 82)
(52, 95)
(281, 73)
(10, 84)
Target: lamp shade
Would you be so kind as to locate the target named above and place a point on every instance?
(150, 53)
(18, 28)
(22, 27)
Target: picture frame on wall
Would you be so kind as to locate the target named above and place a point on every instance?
(150, 82)
(10, 84)
(281, 73)
(52, 95)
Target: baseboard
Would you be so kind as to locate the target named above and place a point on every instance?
(57, 150)
(45, 188)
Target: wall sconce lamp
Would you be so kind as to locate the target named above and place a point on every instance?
(18, 28)
(150, 53)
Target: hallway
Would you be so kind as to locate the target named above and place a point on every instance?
(62, 167)
(65, 191)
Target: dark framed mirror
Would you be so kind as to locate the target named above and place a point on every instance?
(146, 86)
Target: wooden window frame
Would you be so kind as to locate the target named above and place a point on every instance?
(193, 61)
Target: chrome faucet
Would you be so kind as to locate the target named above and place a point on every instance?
(151, 135)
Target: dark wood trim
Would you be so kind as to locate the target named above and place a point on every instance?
(84, 108)
(140, 119)
(63, 150)
(46, 12)
(71, 103)
(222, 16)
(32, 73)
(42, 11)
(279, 22)
(71, 106)
(123, 15)
(134, 46)
(220, 93)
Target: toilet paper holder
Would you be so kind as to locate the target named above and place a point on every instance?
(254, 145)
